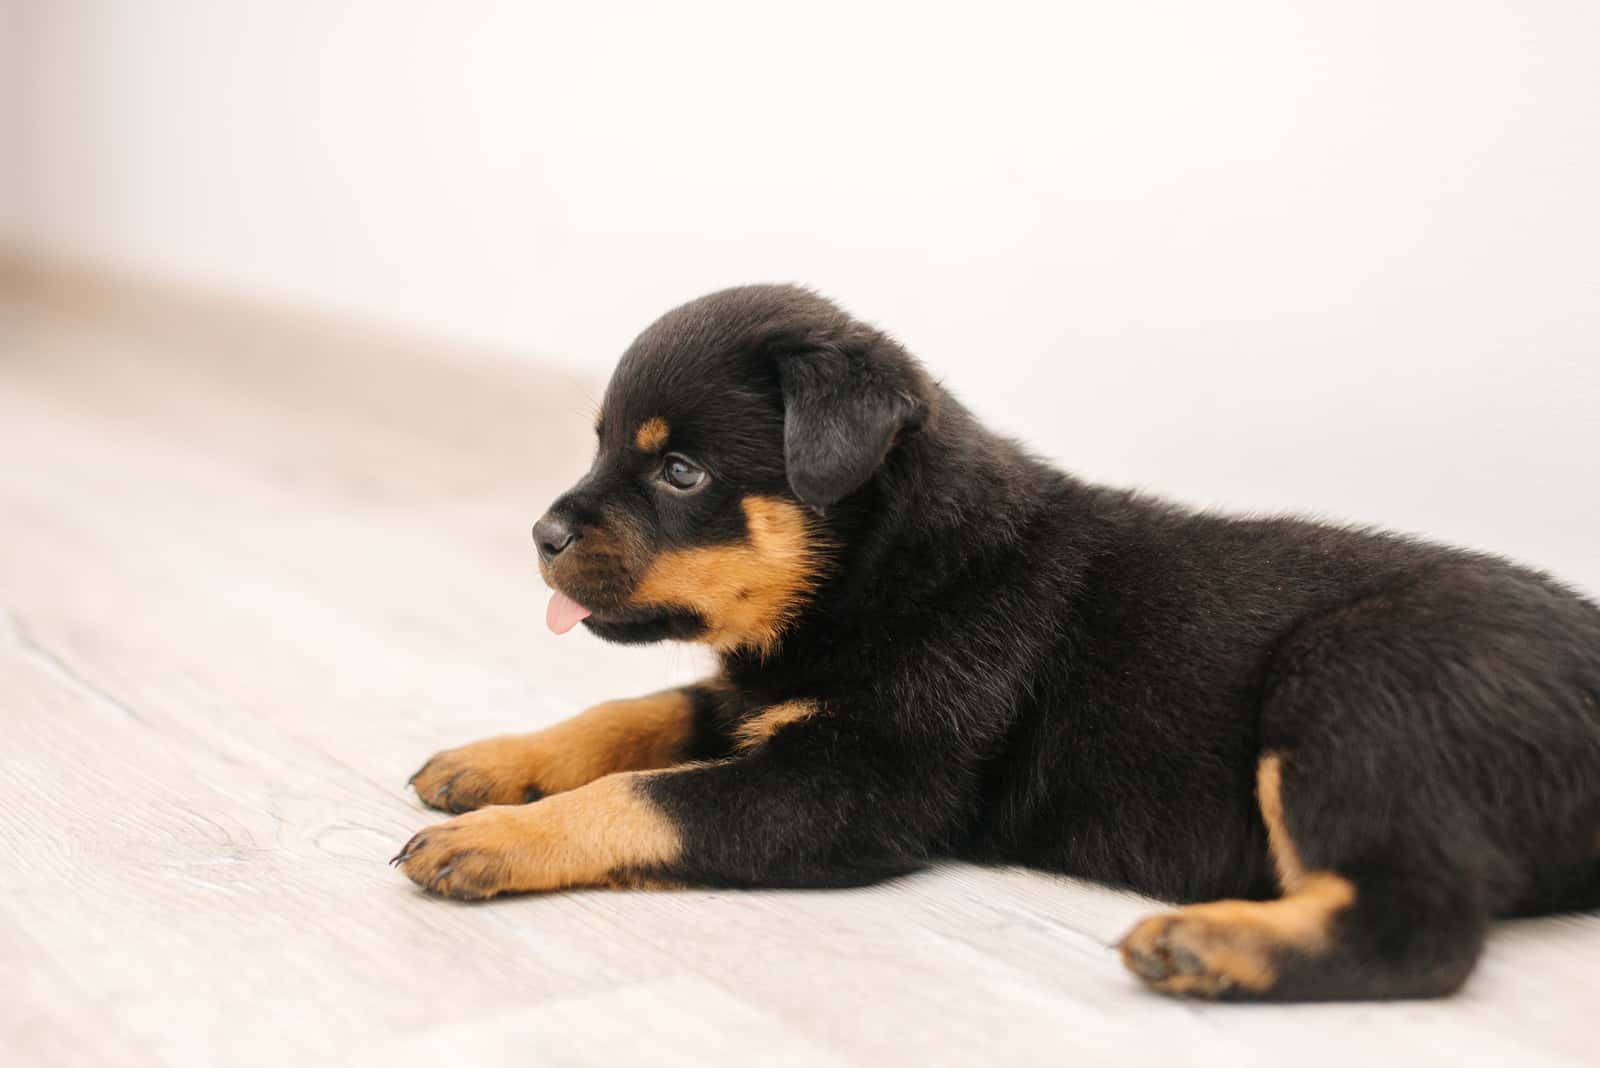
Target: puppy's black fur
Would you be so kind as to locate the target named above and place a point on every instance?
(1376, 744)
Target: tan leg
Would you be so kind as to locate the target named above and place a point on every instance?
(1227, 947)
(605, 833)
(640, 734)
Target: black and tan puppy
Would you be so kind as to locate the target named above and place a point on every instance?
(1356, 747)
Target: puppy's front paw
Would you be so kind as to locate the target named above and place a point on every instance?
(604, 834)
(495, 771)
(471, 857)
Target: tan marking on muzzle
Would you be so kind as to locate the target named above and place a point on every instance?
(749, 591)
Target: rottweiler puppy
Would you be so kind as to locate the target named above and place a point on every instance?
(1342, 752)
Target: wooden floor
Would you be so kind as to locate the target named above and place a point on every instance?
(254, 571)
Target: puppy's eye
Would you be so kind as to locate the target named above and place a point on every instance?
(682, 474)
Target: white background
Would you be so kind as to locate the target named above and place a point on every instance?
(1332, 257)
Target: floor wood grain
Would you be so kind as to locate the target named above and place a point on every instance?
(253, 570)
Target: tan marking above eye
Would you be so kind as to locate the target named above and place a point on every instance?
(651, 435)
(747, 591)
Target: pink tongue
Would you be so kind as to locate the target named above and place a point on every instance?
(564, 613)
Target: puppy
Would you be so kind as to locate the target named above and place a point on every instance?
(1354, 748)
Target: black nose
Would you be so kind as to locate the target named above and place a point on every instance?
(552, 534)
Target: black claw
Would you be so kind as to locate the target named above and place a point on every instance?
(408, 849)
(532, 794)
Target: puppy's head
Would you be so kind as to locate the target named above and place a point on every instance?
(730, 428)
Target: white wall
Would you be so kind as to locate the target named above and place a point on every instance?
(10, 120)
(1341, 257)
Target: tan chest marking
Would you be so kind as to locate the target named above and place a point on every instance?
(761, 726)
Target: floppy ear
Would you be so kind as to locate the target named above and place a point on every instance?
(846, 400)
